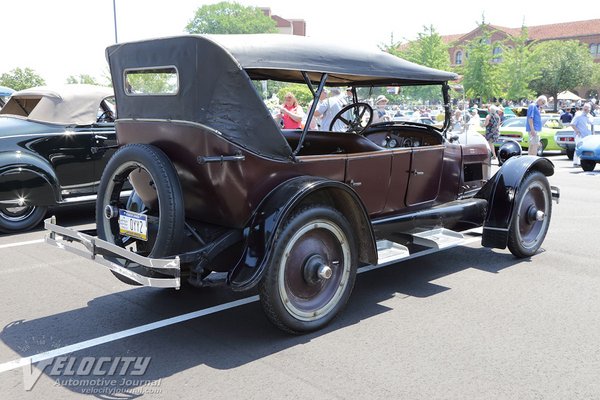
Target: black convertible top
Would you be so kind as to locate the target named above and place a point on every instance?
(215, 72)
(282, 57)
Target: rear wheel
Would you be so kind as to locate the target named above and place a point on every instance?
(157, 195)
(20, 218)
(312, 270)
(587, 165)
(570, 153)
(531, 216)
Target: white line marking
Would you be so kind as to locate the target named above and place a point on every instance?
(10, 365)
(123, 334)
(6, 246)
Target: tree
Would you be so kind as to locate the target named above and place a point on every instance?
(429, 50)
(518, 68)
(301, 92)
(230, 17)
(563, 65)
(480, 72)
(19, 79)
(82, 78)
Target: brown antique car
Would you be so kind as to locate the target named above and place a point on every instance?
(224, 195)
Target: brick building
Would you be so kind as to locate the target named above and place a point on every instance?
(285, 25)
(587, 32)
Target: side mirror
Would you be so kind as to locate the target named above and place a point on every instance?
(453, 138)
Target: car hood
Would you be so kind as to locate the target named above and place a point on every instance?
(10, 126)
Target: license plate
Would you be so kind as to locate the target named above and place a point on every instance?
(133, 224)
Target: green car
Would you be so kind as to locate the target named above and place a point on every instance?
(514, 129)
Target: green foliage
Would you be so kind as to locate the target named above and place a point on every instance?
(480, 73)
(19, 79)
(152, 82)
(429, 49)
(563, 66)
(302, 93)
(518, 68)
(230, 17)
(82, 79)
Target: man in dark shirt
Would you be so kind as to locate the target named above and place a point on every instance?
(566, 117)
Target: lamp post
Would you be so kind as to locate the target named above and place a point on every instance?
(115, 19)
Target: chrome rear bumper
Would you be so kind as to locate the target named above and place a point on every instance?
(92, 248)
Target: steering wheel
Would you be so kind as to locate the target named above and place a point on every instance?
(356, 116)
(106, 116)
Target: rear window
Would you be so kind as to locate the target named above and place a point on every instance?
(154, 81)
(21, 106)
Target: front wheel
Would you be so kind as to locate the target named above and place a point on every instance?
(20, 218)
(312, 270)
(541, 148)
(531, 216)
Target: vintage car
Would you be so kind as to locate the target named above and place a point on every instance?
(223, 195)
(54, 145)
(588, 151)
(565, 137)
(5, 93)
(514, 129)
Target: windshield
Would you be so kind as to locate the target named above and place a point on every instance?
(289, 105)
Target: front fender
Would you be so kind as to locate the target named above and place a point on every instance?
(261, 233)
(500, 192)
(27, 179)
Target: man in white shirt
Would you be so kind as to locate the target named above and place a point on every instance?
(328, 108)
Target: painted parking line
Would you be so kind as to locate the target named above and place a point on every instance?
(8, 366)
(18, 363)
(6, 246)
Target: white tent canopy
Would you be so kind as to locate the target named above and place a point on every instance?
(566, 95)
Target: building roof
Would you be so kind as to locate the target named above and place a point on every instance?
(543, 32)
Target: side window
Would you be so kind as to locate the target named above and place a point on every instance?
(152, 81)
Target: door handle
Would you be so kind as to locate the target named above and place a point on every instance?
(100, 137)
(415, 172)
(353, 183)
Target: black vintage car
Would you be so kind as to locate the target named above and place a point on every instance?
(223, 195)
(54, 145)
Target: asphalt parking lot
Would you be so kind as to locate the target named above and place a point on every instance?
(468, 323)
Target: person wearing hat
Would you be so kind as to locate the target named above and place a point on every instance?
(379, 114)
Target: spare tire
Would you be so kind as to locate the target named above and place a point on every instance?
(155, 182)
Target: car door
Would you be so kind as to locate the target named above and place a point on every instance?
(104, 139)
(424, 174)
(69, 153)
(369, 175)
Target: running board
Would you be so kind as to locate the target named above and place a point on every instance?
(89, 198)
(422, 243)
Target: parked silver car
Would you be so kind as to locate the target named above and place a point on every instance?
(565, 137)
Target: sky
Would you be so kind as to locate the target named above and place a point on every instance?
(60, 38)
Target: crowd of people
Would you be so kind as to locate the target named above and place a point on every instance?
(465, 121)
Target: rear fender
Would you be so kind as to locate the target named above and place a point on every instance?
(261, 233)
(500, 192)
(27, 179)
